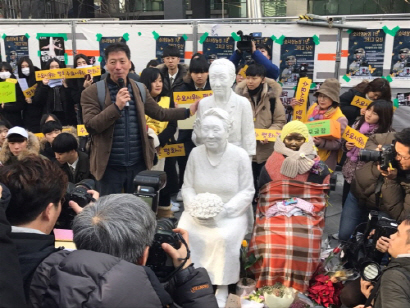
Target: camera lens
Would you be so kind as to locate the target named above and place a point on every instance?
(369, 155)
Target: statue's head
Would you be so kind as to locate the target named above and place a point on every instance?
(215, 127)
(221, 76)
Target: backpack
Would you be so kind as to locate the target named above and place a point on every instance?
(101, 91)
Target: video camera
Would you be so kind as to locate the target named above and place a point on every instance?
(386, 156)
(245, 44)
(77, 193)
(148, 184)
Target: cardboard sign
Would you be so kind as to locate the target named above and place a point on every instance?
(190, 97)
(328, 129)
(302, 95)
(11, 80)
(352, 135)
(7, 92)
(30, 91)
(81, 131)
(159, 126)
(242, 72)
(68, 73)
(360, 102)
(172, 150)
(270, 134)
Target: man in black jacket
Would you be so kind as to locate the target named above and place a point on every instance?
(113, 238)
(172, 71)
(74, 163)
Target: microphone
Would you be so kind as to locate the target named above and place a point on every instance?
(122, 85)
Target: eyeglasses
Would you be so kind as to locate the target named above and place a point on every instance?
(400, 157)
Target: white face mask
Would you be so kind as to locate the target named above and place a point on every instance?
(5, 75)
(25, 71)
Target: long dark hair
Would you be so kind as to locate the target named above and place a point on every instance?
(384, 110)
(149, 75)
(30, 78)
(377, 85)
(61, 64)
(82, 56)
(7, 67)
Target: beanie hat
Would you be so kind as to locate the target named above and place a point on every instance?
(330, 88)
(295, 127)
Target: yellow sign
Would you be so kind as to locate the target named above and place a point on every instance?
(39, 135)
(30, 91)
(11, 80)
(68, 73)
(242, 72)
(7, 92)
(270, 134)
(81, 131)
(360, 102)
(352, 135)
(302, 95)
(156, 125)
(172, 150)
(190, 97)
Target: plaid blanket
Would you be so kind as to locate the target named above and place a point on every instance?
(290, 246)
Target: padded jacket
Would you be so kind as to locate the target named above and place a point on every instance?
(84, 278)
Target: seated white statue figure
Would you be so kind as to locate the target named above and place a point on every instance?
(221, 77)
(219, 168)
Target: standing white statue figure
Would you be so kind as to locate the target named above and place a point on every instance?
(221, 77)
(217, 192)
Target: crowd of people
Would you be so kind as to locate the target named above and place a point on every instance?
(231, 184)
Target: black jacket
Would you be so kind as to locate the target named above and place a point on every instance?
(32, 249)
(12, 111)
(84, 278)
(395, 285)
(167, 88)
(32, 112)
(82, 170)
(350, 112)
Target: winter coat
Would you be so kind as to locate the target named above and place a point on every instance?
(351, 112)
(167, 89)
(82, 170)
(100, 125)
(272, 71)
(32, 112)
(329, 149)
(12, 111)
(395, 285)
(33, 148)
(85, 278)
(263, 116)
(395, 194)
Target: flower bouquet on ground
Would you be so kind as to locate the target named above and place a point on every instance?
(253, 300)
(246, 285)
(278, 296)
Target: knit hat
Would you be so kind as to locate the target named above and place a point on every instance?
(295, 127)
(330, 88)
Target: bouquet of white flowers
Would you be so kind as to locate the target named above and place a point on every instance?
(205, 206)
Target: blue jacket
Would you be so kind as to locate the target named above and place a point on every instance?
(272, 71)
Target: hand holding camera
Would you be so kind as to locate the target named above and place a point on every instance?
(78, 209)
(178, 255)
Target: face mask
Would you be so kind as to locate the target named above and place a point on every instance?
(25, 71)
(5, 75)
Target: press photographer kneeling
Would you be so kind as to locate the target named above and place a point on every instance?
(382, 184)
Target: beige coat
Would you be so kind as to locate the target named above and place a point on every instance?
(33, 148)
(100, 125)
(263, 117)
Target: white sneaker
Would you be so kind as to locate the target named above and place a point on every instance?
(176, 204)
(179, 196)
(175, 208)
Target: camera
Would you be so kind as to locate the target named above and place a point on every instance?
(245, 44)
(77, 193)
(148, 184)
(386, 156)
(158, 260)
(303, 70)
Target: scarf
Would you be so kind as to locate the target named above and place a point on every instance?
(366, 129)
(319, 114)
(296, 162)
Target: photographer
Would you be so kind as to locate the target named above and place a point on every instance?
(261, 54)
(113, 238)
(393, 287)
(387, 191)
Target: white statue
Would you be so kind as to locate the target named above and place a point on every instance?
(217, 192)
(221, 77)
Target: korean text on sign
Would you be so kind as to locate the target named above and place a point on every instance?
(7, 92)
(352, 135)
(360, 102)
(68, 73)
(270, 134)
(190, 97)
(30, 91)
(172, 150)
(302, 95)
